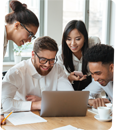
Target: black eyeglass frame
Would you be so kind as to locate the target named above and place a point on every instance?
(46, 59)
(33, 36)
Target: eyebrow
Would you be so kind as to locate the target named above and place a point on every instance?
(95, 72)
(76, 37)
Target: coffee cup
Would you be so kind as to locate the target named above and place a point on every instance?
(109, 105)
(104, 112)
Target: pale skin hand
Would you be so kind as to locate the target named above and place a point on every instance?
(73, 77)
(33, 98)
(36, 102)
(98, 102)
(1, 118)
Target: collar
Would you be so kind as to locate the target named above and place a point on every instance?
(32, 70)
(76, 59)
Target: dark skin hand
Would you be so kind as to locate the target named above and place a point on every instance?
(98, 102)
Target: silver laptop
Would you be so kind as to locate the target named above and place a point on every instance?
(64, 103)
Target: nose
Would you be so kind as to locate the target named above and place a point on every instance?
(72, 43)
(47, 63)
(95, 77)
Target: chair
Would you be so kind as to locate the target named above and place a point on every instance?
(3, 74)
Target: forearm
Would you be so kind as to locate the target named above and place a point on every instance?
(11, 104)
(36, 105)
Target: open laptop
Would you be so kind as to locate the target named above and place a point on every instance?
(64, 103)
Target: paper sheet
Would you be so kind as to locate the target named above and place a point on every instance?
(68, 127)
(24, 118)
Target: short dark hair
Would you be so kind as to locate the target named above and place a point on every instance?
(22, 14)
(100, 53)
(45, 43)
(66, 52)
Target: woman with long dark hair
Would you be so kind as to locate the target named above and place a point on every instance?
(21, 25)
(74, 44)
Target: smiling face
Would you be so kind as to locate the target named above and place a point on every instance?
(75, 41)
(102, 73)
(20, 35)
(43, 69)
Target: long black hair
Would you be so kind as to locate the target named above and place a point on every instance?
(66, 52)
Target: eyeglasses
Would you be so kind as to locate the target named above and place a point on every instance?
(30, 33)
(43, 60)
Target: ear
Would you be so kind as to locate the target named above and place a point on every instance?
(33, 54)
(111, 67)
(16, 25)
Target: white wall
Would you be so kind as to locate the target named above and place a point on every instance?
(112, 24)
(53, 19)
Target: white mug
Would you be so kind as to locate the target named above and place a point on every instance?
(104, 112)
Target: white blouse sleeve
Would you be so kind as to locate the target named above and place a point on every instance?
(93, 40)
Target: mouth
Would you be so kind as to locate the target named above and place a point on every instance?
(44, 68)
(101, 82)
(74, 48)
(22, 42)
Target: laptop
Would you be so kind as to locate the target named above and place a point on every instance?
(64, 103)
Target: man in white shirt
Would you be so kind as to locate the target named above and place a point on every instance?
(23, 84)
(100, 60)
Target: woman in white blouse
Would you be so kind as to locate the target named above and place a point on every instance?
(21, 25)
(74, 44)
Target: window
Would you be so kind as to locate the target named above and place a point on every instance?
(72, 10)
(94, 13)
(33, 5)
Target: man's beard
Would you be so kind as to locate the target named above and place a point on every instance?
(39, 70)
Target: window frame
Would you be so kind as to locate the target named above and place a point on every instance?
(106, 20)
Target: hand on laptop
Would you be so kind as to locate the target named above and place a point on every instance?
(98, 102)
(73, 77)
(1, 119)
(33, 98)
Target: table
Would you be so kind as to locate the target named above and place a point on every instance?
(87, 122)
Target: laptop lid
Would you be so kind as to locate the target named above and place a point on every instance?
(64, 103)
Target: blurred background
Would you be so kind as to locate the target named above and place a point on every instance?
(53, 15)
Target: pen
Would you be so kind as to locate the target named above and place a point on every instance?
(7, 116)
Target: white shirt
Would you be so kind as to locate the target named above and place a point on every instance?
(97, 89)
(23, 79)
(5, 42)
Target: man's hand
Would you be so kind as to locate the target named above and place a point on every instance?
(98, 102)
(1, 119)
(36, 105)
(33, 98)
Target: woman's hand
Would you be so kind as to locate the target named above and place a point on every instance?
(33, 98)
(73, 77)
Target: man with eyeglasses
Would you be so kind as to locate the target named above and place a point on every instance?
(24, 83)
